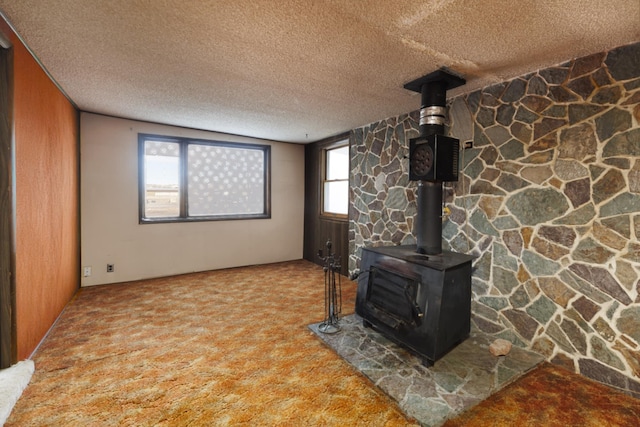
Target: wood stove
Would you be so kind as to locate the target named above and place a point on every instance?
(420, 301)
(420, 296)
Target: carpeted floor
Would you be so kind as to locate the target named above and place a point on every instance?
(553, 396)
(232, 347)
(228, 347)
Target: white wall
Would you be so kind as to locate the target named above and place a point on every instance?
(110, 231)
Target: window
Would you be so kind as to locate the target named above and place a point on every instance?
(183, 179)
(335, 183)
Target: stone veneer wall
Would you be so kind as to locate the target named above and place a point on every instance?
(549, 202)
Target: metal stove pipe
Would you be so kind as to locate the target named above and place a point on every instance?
(428, 226)
(433, 112)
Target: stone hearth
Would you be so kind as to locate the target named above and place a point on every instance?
(461, 379)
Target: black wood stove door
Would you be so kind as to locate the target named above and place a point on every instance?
(421, 302)
(394, 298)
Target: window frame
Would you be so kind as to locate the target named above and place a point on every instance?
(184, 143)
(341, 143)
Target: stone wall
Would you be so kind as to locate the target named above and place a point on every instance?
(548, 201)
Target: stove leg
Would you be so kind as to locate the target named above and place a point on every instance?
(367, 324)
(427, 363)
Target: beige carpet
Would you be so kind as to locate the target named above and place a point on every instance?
(232, 348)
(228, 347)
(553, 396)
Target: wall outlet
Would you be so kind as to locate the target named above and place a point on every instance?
(109, 268)
(86, 271)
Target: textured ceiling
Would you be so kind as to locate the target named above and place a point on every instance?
(298, 71)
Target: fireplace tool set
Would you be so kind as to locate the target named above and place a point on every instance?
(332, 292)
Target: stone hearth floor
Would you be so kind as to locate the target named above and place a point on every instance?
(464, 377)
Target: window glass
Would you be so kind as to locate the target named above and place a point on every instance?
(225, 180)
(338, 163)
(161, 179)
(335, 192)
(184, 179)
(336, 197)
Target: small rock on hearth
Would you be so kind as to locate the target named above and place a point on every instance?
(500, 347)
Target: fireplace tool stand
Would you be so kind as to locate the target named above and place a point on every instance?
(332, 292)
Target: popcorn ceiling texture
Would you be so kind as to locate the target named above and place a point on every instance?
(298, 71)
(548, 201)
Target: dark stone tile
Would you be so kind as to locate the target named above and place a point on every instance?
(588, 250)
(632, 85)
(473, 101)
(512, 150)
(561, 94)
(546, 126)
(619, 224)
(548, 250)
(505, 113)
(575, 335)
(583, 86)
(495, 90)
(603, 328)
(618, 163)
(564, 362)
(514, 91)
(498, 135)
(537, 86)
(557, 111)
(607, 95)
(579, 216)
(575, 316)
(558, 336)
(489, 100)
(555, 75)
(521, 131)
(580, 112)
(586, 308)
(578, 191)
(522, 322)
(624, 62)
(601, 279)
(484, 187)
(608, 185)
(625, 144)
(601, 77)
(586, 64)
(535, 103)
(577, 142)
(613, 121)
(601, 352)
(486, 117)
(629, 323)
(534, 206)
(511, 182)
(489, 155)
(525, 115)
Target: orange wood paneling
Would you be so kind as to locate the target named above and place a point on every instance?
(46, 127)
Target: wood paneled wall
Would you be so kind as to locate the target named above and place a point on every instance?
(318, 229)
(46, 131)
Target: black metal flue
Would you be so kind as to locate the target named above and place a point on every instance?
(433, 157)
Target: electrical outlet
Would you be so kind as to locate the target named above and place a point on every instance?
(109, 268)
(86, 271)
